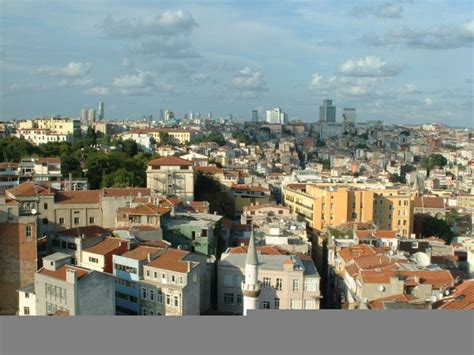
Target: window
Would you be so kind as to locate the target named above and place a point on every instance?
(45, 206)
(148, 273)
(266, 282)
(93, 260)
(277, 303)
(155, 274)
(239, 300)
(91, 220)
(181, 281)
(163, 277)
(173, 278)
(152, 295)
(228, 298)
(76, 220)
(71, 246)
(26, 311)
(310, 284)
(152, 313)
(144, 311)
(125, 268)
(296, 285)
(295, 304)
(27, 295)
(160, 297)
(278, 284)
(144, 293)
(125, 283)
(228, 280)
(28, 231)
(61, 220)
(309, 304)
(266, 305)
(45, 221)
(168, 299)
(176, 301)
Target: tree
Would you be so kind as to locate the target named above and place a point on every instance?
(395, 178)
(166, 139)
(437, 227)
(14, 149)
(130, 147)
(208, 188)
(241, 137)
(70, 165)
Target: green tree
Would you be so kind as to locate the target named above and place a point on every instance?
(167, 139)
(130, 147)
(208, 188)
(395, 178)
(14, 149)
(437, 227)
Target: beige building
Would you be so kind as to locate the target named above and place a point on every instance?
(288, 281)
(171, 176)
(181, 136)
(170, 285)
(322, 205)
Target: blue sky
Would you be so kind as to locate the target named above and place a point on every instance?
(399, 61)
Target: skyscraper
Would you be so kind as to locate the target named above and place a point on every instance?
(254, 115)
(101, 111)
(91, 115)
(327, 111)
(277, 116)
(349, 115)
(83, 114)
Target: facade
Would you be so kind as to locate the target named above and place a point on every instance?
(60, 286)
(277, 116)
(171, 176)
(170, 285)
(27, 301)
(254, 115)
(329, 205)
(287, 281)
(246, 195)
(99, 256)
(327, 112)
(128, 271)
(256, 213)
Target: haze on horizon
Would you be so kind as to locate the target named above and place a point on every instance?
(397, 61)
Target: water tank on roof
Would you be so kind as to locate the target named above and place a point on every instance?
(421, 259)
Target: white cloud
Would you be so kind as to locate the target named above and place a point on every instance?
(436, 37)
(386, 10)
(369, 66)
(71, 70)
(139, 80)
(98, 91)
(85, 81)
(167, 23)
(428, 101)
(249, 83)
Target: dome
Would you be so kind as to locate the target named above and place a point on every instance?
(422, 259)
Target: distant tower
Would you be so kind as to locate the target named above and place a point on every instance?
(251, 287)
(327, 112)
(209, 116)
(91, 115)
(101, 111)
(349, 115)
(83, 115)
(254, 115)
(418, 185)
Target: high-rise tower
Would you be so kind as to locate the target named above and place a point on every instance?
(100, 111)
(251, 287)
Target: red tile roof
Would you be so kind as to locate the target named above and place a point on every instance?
(28, 189)
(209, 169)
(141, 252)
(170, 161)
(171, 259)
(61, 272)
(428, 202)
(50, 160)
(78, 197)
(129, 191)
(380, 302)
(87, 231)
(147, 210)
(106, 246)
(377, 234)
(462, 298)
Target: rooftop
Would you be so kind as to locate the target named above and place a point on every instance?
(105, 246)
(141, 252)
(61, 272)
(78, 197)
(87, 232)
(171, 259)
(170, 161)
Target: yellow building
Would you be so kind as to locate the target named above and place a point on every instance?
(181, 136)
(332, 205)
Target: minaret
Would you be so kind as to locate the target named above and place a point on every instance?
(251, 286)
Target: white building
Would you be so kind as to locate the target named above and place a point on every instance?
(27, 301)
(277, 116)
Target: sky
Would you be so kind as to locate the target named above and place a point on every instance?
(399, 61)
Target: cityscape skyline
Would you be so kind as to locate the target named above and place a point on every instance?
(225, 58)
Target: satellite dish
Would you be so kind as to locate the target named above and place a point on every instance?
(433, 299)
(381, 288)
(33, 211)
(447, 292)
(421, 259)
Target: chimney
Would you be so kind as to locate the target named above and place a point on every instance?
(71, 276)
(189, 266)
(148, 257)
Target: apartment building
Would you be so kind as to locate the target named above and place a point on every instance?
(288, 281)
(99, 256)
(171, 176)
(128, 271)
(61, 287)
(331, 205)
(170, 285)
(257, 213)
(179, 135)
